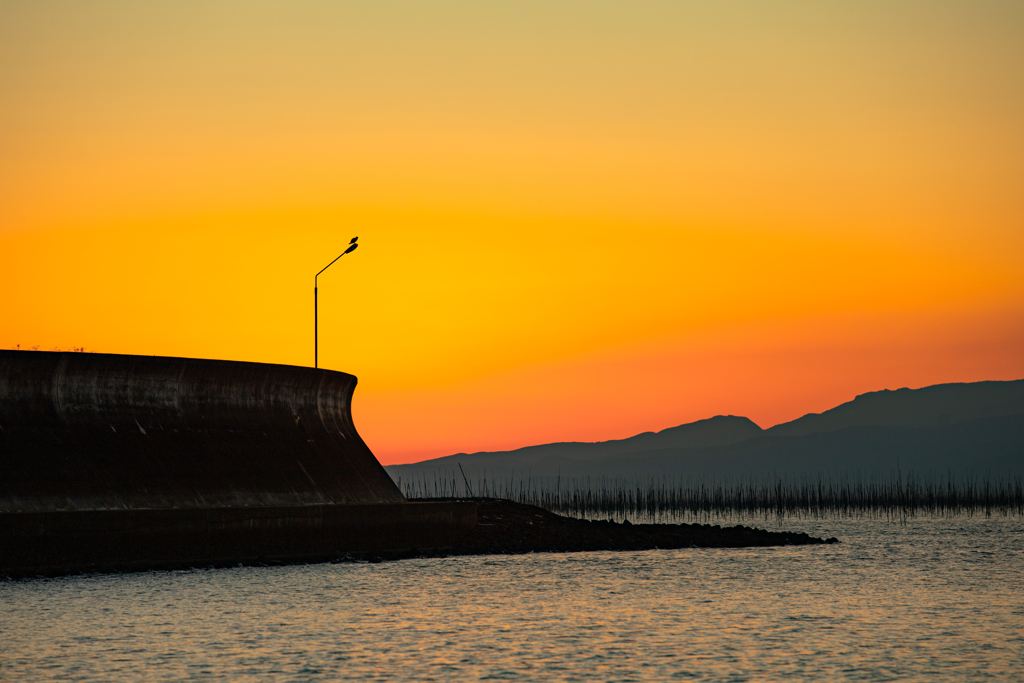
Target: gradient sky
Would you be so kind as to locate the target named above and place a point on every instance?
(579, 220)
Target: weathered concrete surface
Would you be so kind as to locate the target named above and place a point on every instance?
(85, 431)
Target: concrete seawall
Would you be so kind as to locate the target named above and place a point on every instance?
(190, 460)
(83, 431)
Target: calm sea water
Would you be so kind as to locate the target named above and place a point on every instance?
(936, 600)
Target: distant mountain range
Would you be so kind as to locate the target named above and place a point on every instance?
(976, 428)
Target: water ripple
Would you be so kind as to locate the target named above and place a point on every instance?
(937, 600)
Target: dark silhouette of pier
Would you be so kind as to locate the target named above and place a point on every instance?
(125, 462)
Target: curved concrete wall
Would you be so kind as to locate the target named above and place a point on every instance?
(85, 431)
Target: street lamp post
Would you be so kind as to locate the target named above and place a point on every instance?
(351, 247)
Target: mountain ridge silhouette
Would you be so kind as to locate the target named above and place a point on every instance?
(968, 426)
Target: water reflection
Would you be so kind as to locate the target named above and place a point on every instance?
(932, 599)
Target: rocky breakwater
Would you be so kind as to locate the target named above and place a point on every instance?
(507, 528)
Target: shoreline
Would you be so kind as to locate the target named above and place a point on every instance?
(501, 527)
(507, 528)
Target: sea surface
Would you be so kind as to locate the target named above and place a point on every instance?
(930, 600)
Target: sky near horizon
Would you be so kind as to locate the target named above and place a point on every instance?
(578, 220)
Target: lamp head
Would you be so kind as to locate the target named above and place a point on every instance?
(352, 247)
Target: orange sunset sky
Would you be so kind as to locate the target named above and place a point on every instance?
(578, 220)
